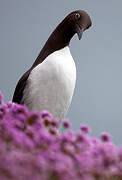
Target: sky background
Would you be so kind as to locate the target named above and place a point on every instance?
(25, 26)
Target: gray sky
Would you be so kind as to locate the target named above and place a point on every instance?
(25, 26)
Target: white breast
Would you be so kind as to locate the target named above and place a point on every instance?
(51, 84)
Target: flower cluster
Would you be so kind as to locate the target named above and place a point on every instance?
(32, 147)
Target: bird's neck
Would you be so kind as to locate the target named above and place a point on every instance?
(59, 39)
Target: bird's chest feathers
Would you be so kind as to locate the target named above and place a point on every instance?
(59, 66)
(53, 80)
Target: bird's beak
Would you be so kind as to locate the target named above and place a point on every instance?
(79, 32)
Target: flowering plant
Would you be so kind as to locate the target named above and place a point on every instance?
(32, 147)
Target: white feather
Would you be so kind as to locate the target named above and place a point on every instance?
(51, 84)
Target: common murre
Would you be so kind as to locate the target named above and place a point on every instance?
(49, 84)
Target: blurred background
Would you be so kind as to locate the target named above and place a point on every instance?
(25, 26)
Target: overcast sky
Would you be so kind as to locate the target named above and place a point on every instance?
(25, 26)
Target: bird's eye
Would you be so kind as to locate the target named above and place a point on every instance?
(77, 16)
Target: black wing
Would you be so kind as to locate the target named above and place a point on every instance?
(18, 93)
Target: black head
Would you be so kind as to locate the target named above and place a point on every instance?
(81, 22)
(76, 22)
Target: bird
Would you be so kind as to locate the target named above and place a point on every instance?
(50, 82)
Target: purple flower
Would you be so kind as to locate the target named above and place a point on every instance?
(1, 98)
(85, 129)
(105, 137)
(66, 123)
(47, 121)
(45, 114)
(54, 123)
(120, 153)
(53, 131)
